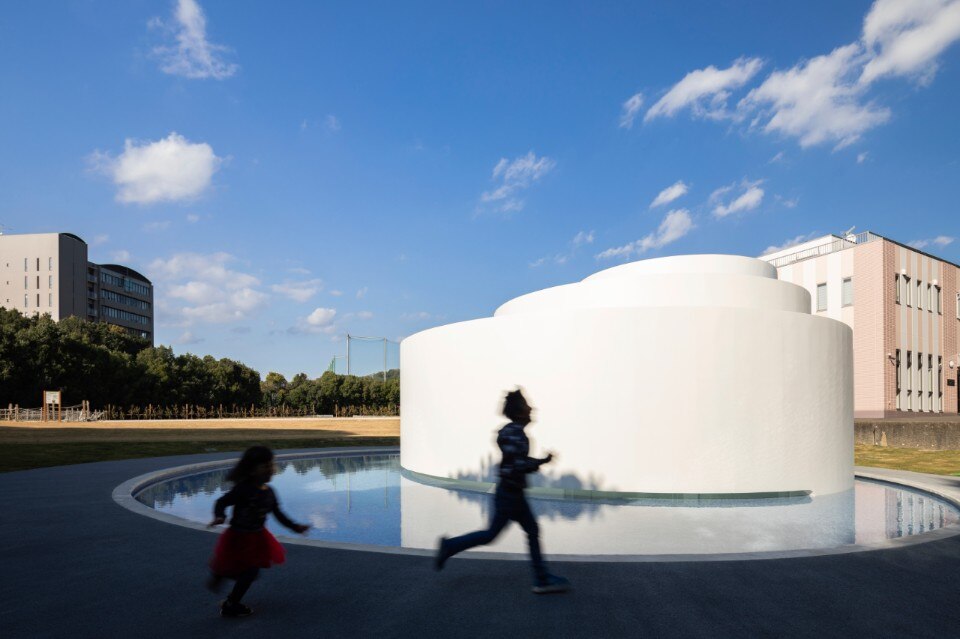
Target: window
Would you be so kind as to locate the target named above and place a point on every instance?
(38, 263)
(846, 292)
(930, 381)
(821, 297)
(25, 303)
(958, 305)
(939, 383)
(38, 300)
(49, 299)
(49, 263)
(939, 300)
(49, 281)
(896, 286)
(24, 264)
(899, 378)
(38, 282)
(26, 278)
(909, 380)
(919, 295)
(907, 289)
(919, 381)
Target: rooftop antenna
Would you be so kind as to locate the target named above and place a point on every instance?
(848, 231)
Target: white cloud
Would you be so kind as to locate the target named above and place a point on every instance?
(100, 239)
(824, 100)
(321, 317)
(193, 218)
(674, 226)
(906, 36)
(705, 91)
(332, 123)
(750, 198)
(364, 315)
(193, 56)
(121, 256)
(862, 157)
(817, 101)
(788, 203)
(170, 169)
(362, 293)
(186, 338)
(793, 241)
(939, 241)
(203, 288)
(298, 291)
(671, 193)
(514, 176)
(580, 239)
(299, 270)
(630, 110)
(336, 293)
(777, 158)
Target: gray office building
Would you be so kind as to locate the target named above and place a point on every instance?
(50, 273)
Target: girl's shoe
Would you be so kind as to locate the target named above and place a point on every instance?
(230, 609)
(441, 557)
(551, 584)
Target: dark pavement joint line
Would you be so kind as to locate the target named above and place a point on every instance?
(78, 565)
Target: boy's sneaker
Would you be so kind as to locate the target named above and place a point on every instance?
(551, 584)
(441, 557)
(231, 609)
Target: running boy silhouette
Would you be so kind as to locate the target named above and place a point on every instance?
(509, 501)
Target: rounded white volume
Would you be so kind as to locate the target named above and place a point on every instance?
(689, 374)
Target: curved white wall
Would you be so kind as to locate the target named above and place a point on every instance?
(691, 374)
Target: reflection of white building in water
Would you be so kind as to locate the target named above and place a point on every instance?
(699, 374)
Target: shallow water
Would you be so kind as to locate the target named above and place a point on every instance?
(364, 499)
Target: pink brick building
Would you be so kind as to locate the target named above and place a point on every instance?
(904, 308)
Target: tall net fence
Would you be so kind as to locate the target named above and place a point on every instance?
(368, 357)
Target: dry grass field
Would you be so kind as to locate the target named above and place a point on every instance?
(25, 445)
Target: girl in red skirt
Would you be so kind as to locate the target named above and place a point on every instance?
(247, 546)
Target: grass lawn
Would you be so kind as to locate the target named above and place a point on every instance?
(34, 446)
(937, 462)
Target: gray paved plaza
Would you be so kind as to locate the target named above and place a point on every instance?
(78, 565)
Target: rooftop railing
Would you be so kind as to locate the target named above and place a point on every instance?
(839, 244)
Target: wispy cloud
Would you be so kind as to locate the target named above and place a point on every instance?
(122, 255)
(676, 190)
(793, 241)
(362, 293)
(750, 196)
(168, 170)
(862, 157)
(705, 91)
(193, 218)
(582, 238)
(513, 177)
(824, 99)
(298, 291)
(674, 226)
(940, 241)
(630, 110)
(191, 55)
(194, 287)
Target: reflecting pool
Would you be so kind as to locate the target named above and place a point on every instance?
(366, 499)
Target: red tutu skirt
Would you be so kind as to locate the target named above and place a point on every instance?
(238, 551)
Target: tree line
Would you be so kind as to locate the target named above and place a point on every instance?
(122, 374)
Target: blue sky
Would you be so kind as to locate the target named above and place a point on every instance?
(290, 172)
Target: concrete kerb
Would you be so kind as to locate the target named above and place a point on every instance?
(123, 495)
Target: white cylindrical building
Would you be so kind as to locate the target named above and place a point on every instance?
(693, 375)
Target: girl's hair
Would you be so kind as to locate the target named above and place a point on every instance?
(252, 458)
(514, 405)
